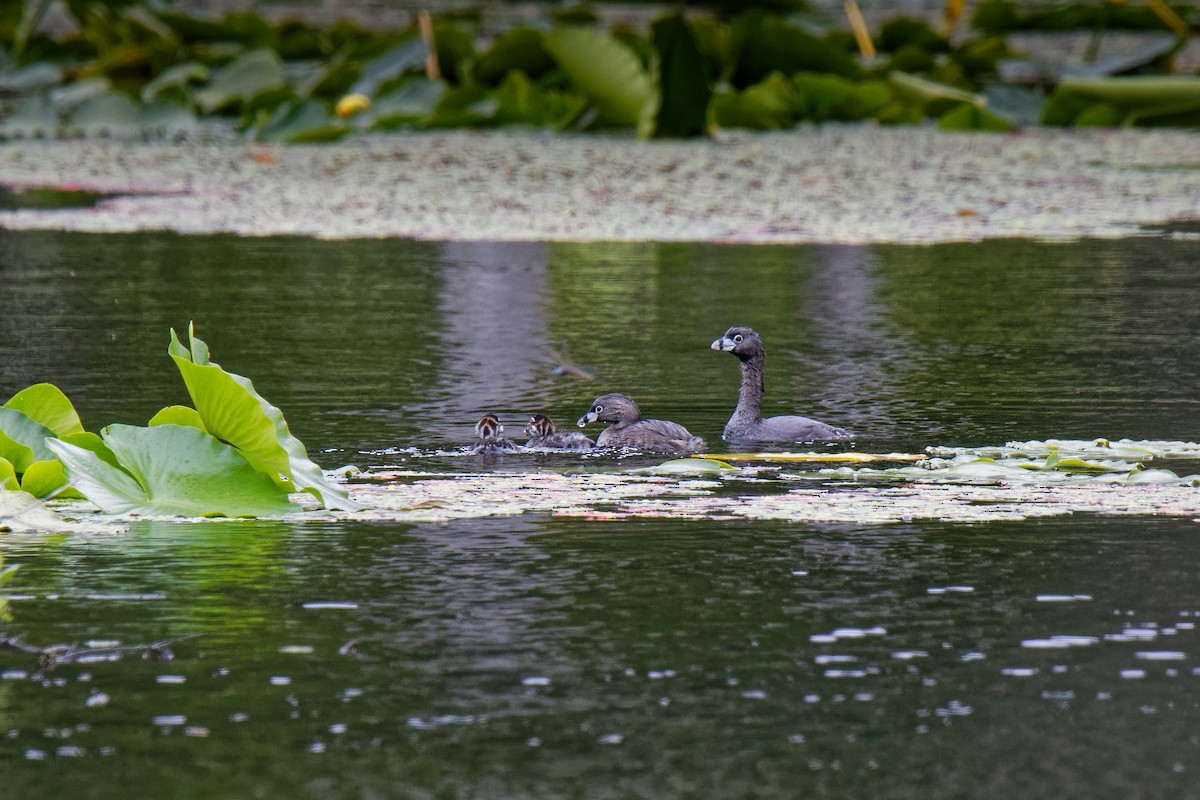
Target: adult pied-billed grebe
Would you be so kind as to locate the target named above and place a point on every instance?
(491, 439)
(630, 430)
(545, 436)
(747, 423)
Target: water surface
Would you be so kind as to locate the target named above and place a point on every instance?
(541, 657)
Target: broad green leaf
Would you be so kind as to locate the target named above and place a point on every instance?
(92, 442)
(171, 470)
(408, 55)
(764, 44)
(967, 117)
(297, 123)
(112, 114)
(606, 70)
(174, 81)
(22, 441)
(684, 90)
(233, 411)
(764, 106)
(29, 117)
(1136, 91)
(46, 404)
(247, 77)
(178, 415)
(410, 104)
(463, 107)
(520, 102)
(8, 475)
(927, 91)
(44, 478)
(516, 49)
(104, 484)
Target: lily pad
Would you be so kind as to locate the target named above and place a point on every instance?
(241, 81)
(171, 470)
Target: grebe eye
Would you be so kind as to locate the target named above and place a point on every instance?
(737, 339)
(598, 409)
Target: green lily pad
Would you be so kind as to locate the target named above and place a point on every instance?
(173, 470)
(296, 123)
(241, 81)
(232, 410)
(112, 114)
(516, 49)
(379, 72)
(410, 104)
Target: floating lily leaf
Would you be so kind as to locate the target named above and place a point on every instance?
(35, 77)
(173, 470)
(243, 80)
(232, 410)
(307, 121)
(768, 105)
(1136, 91)
(22, 441)
(112, 115)
(463, 107)
(377, 73)
(520, 102)
(45, 403)
(178, 415)
(604, 69)
(409, 105)
(830, 97)
(174, 81)
(519, 49)
(67, 97)
(30, 117)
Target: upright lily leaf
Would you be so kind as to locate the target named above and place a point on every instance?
(682, 79)
(22, 441)
(608, 71)
(46, 404)
(171, 470)
(8, 476)
(44, 478)
(233, 411)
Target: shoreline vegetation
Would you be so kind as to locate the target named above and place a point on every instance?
(139, 71)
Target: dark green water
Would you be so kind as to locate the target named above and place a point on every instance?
(540, 657)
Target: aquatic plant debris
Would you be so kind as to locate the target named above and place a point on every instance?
(839, 184)
(1013, 481)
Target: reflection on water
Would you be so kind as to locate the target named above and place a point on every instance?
(545, 657)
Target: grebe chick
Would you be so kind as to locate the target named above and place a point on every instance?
(543, 435)
(491, 439)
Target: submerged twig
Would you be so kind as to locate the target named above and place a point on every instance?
(563, 366)
(58, 654)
